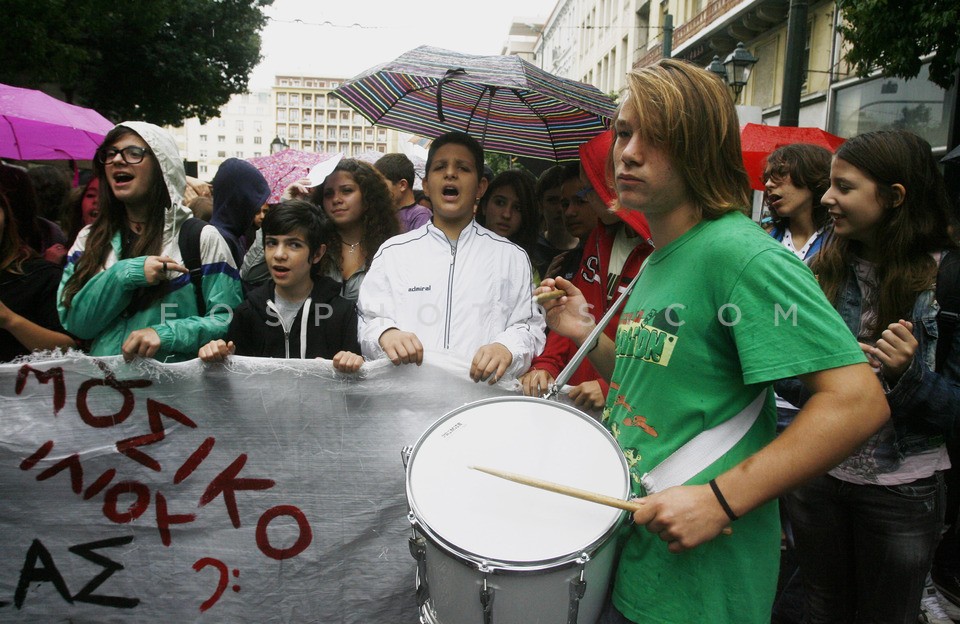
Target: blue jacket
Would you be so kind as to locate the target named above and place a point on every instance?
(924, 403)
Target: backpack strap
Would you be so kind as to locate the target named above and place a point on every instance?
(189, 242)
(948, 296)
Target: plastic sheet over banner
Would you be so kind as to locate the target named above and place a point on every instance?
(256, 491)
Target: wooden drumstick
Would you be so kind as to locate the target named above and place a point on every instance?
(550, 295)
(566, 490)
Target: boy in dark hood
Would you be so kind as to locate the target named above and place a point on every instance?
(239, 191)
(298, 312)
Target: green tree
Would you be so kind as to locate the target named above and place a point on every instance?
(893, 36)
(162, 61)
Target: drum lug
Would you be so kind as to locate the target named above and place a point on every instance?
(578, 587)
(405, 454)
(486, 595)
(418, 548)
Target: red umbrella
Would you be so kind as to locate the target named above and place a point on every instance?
(284, 168)
(758, 141)
(35, 126)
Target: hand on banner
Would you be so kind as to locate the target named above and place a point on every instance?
(536, 382)
(491, 361)
(347, 362)
(401, 347)
(216, 351)
(141, 342)
(588, 395)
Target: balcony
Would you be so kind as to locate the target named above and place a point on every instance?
(700, 38)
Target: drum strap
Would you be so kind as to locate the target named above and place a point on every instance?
(703, 449)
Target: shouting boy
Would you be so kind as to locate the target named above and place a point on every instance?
(452, 284)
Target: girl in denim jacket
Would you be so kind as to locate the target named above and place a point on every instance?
(867, 530)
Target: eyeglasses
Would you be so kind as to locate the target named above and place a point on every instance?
(131, 154)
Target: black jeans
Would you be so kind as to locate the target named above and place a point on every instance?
(865, 550)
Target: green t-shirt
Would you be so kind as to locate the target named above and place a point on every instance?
(717, 315)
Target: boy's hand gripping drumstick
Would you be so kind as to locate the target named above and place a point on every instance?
(566, 490)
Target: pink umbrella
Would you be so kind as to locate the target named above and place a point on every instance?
(284, 168)
(35, 126)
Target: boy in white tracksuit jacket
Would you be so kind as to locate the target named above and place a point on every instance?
(452, 284)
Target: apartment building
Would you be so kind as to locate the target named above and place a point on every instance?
(598, 41)
(243, 129)
(594, 41)
(309, 118)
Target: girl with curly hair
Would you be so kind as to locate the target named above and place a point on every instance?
(357, 200)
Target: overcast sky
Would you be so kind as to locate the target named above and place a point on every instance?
(342, 38)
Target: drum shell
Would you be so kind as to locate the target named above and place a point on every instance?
(519, 596)
(529, 589)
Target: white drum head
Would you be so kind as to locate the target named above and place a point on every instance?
(487, 518)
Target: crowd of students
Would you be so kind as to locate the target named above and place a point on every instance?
(838, 308)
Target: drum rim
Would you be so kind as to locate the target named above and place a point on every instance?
(479, 561)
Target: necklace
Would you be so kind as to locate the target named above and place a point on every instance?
(352, 246)
(136, 226)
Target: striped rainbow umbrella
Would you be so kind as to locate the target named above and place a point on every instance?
(508, 104)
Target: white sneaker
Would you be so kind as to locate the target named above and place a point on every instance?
(931, 606)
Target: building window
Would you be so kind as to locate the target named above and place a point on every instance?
(203, 153)
(221, 154)
(203, 168)
(307, 99)
(281, 114)
(257, 140)
(281, 99)
(221, 138)
(294, 114)
(238, 154)
(239, 125)
(239, 139)
(763, 78)
(916, 105)
(203, 137)
(345, 134)
(294, 99)
(258, 126)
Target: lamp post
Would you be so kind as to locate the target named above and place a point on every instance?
(735, 69)
(277, 145)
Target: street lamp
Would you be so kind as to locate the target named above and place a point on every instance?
(277, 145)
(735, 69)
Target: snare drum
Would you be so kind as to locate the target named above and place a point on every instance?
(496, 552)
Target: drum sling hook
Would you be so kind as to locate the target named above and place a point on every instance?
(418, 548)
(578, 587)
(486, 597)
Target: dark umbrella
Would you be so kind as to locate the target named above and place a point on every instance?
(952, 156)
(510, 105)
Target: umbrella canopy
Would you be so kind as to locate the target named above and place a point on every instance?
(758, 141)
(509, 105)
(952, 156)
(35, 126)
(284, 168)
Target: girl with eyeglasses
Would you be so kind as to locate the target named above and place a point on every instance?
(125, 286)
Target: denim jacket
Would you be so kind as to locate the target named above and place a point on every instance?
(924, 404)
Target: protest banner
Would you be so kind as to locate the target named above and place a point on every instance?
(256, 491)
